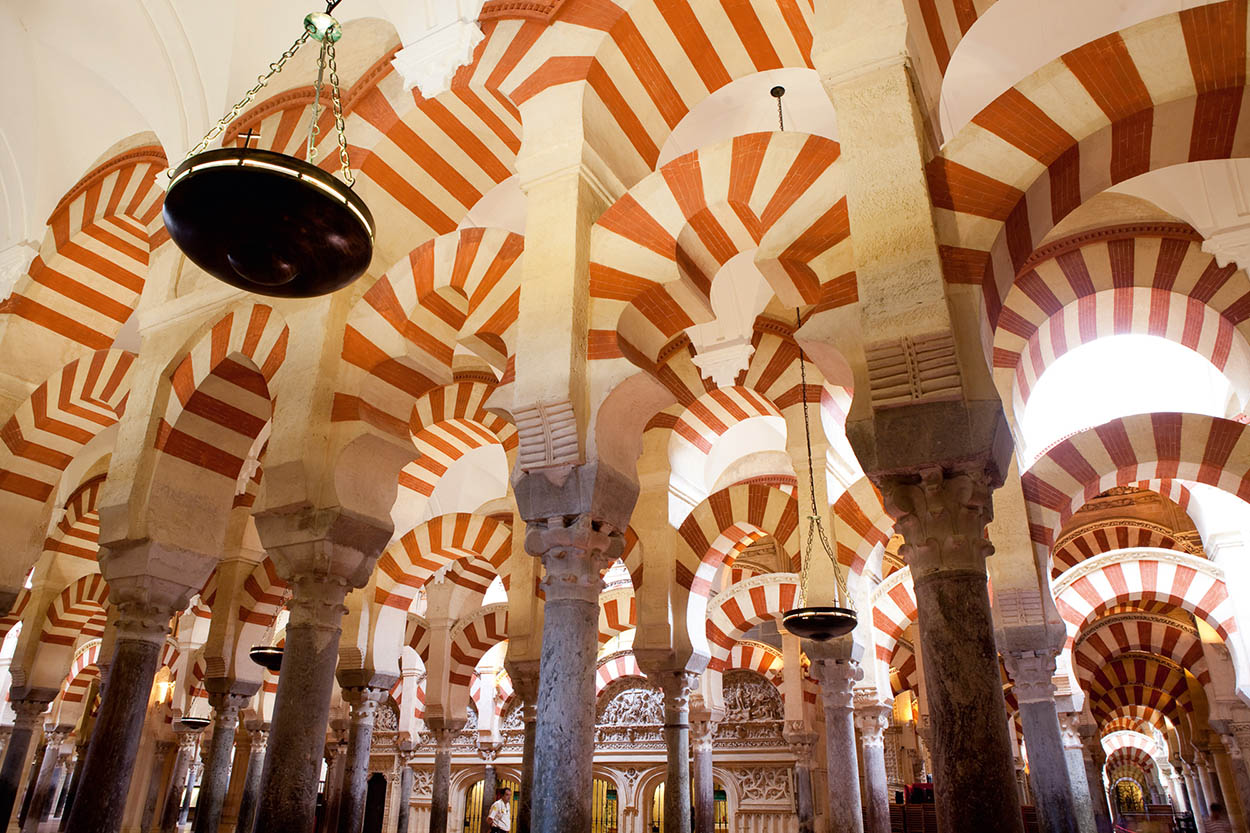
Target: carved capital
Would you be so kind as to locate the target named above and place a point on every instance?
(1032, 673)
(801, 740)
(837, 682)
(488, 752)
(28, 713)
(942, 519)
(872, 721)
(575, 551)
(677, 686)
(141, 621)
(1070, 729)
(315, 599)
(702, 735)
(364, 701)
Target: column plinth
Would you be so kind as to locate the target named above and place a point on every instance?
(942, 519)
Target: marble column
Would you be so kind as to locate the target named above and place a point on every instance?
(1032, 672)
(837, 679)
(440, 797)
(101, 799)
(575, 552)
(1074, 761)
(28, 715)
(172, 806)
(216, 779)
(251, 787)
(525, 807)
(160, 752)
(1094, 757)
(1197, 803)
(67, 769)
(942, 519)
(336, 769)
(677, 686)
(406, 777)
(188, 790)
(801, 744)
(288, 791)
(364, 701)
(702, 782)
(872, 719)
(490, 783)
(1229, 787)
(44, 783)
(1207, 778)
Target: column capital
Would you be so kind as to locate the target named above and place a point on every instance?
(872, 720)
(1070, 730)
(837, 681)
(185, 736)
(1032, 673)
(28, 712)
(942, 518)
(364, 701)
(575, 550)
(677, 685)
(800, 739)
(488, 752)
(144, 621)
(226, 704)
(702, 735)
(258, 737)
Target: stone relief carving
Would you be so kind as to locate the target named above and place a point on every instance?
(512, 718)
(387, 718)
(423, 783)
(764, 785)
(632, 714)
(750, 697)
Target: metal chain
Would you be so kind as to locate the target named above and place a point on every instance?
(313, 129)
(261, 82)
(336, 100)
(815, 527)
(781, 119)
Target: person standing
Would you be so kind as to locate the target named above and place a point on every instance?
(500, 816)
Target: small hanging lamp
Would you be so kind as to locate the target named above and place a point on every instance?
(820, 623)
(195, 724)
(265, 654)
(268, 222)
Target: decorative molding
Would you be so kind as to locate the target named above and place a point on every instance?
(1177, 231)
(14, 263)
(1107, 559)
(913, 369)
(445, 43)
(548, 436)
(544, 11)
(722, 362)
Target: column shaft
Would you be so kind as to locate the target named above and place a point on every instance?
(159, 755)
(1048, 767)
(177, 781)
(406, 776)
(703, 785)
(336, 770)
(525, 807)
(15, 753)
(216, 779)
(440, 797)
(803, 797)
(288, 793)
(490, 783)
(101, 798)
(359, 740)
(1093, 757)
(872, 722)
(676, 686)
(1229, 788)
(845, 808)
(43, 783)
(251, 787)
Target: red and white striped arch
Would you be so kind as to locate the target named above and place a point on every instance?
(1111, 637)
(76, 533)
(903, 673)
(862, 525)
(1139, 680)
(1139, 715)
(417, 636)
(14, 616)
(618, 612)
(1146, 278)
(1125, 724)
(221, 392)
(447, 423)
(729, 521)
(460, 288)
(613, 668)
(1095, 539)
(1125, 771)
(264, 593)
(748, 655)
(741, 607)
(60, 417)
(1066, 133)
(1131, 757)
(893, 612)
(656, 251)
(472, 637)
(86, 281)
(646, 64)
(707, 419)
(1186, 447)
(482, 543)
(1099, 585)
(79, 610)
(1114, 741)
(82, 671)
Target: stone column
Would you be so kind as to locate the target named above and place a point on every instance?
(702, 783)
(801, 745)
(1094, 757)
(29, 713)
(1207, 778)
(251, 787)
(101, 799)
(1032, 672)
(872, 719)
(1197, 803)
(172, 807)
(160, 751)
(490, 778)
(837, 679)
(524, 676)
(216, 779)
(1229, 787)
(1178, 789)
(193, 775)
(45, 783)
(406, 777)
(1074, 759)
(575, 552)
(440, 798)
(336, 768)
(942, 519)
(677, 686)
(288, 791)
(67, 770)
(364, 702)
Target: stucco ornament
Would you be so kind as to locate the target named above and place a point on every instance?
(444, 34)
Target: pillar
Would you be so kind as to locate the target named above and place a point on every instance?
(364, 701)
(702, 782)
(216, 779)
(28, 715)
(440, 798)
(1229, 787)
(67, 770)
(527, 687)
(188, 789)
(490, 783)
(942, 519)
(872, 719)
(1197, 803)
(101, 800)
(837, 678)
(575, 552)
(172, 806)
(251, 787)
(677, 686)
(45, 783)
(1032, 672)
(406, 777)
(801, 745)
(160, 752)
(1207, 779)
(1094, 757)
(1074, 760)
(288, 791)
(336, 766)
